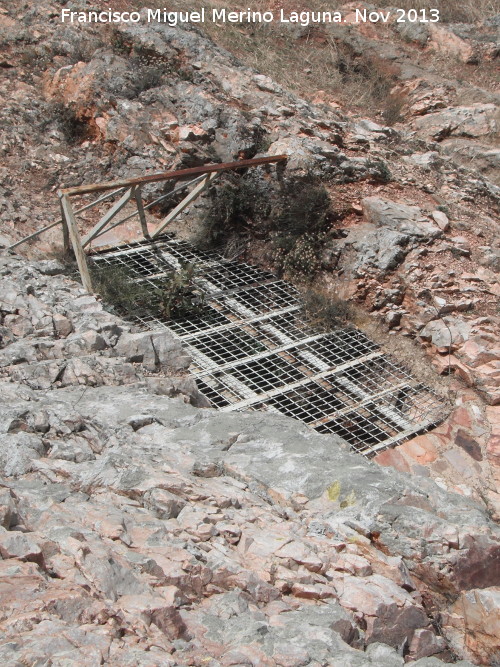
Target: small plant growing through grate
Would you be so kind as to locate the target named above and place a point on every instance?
(179, 294)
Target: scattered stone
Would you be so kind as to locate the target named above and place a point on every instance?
(441, 220)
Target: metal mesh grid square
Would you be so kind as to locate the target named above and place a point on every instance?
(215, 392)
(224, 347)
(312, 401)
(233, 275)
(263, 375)
(285, 327)
(361, 428)
(224, 389)
(139, 262)
(208, 318)
(338, 347)
(373, 375)
(184, 252)
(263, 298)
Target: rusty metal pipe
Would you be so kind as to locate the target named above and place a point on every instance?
(168, 175)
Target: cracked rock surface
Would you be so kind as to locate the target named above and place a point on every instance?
(139, 529)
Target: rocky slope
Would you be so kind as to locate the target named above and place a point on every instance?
(162, 529)
(137, 529)
(410, 229)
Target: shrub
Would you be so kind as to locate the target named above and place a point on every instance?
(393, 108)
(378, 170)
(293, 216)
(252, 206)
(36, 58)
(301, 207)
(179, 295)
(175, 296)
(326, 312)
(298, 257)
(236, 207)
(117, 289)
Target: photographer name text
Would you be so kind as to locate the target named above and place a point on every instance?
(223, 16)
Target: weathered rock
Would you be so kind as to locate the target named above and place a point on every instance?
(441, 220)
(490, 257)
(447, 333)
(18, 452)
(473, 622)
(447, 42)
(404, 219)
(477, 120)
(155, 352)
(14, 544)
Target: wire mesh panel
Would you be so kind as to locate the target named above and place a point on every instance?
(208, 318)
(233, 276)
(184, 252)
(265, 298)
(360, 428)
(311, 401)
(269, 373)
(224, 347)
(341, 346)
(148, 259)
(137, 262)
(252, 349)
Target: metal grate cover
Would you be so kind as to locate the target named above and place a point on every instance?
(251, 349)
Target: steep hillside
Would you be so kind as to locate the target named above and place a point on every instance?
(158, 532)
(400, 219)
(137, 529)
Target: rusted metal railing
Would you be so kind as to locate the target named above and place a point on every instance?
(130, 191)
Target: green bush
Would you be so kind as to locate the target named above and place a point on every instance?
(117, 289)
(292, 216)
(179, 296)
(175, 296)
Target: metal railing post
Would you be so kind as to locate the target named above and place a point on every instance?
(137, 195)
(69, 222)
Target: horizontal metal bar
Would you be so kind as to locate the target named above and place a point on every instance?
(365, 402)
(238, 323)
(257, 357)
(168, 175)
(295, 385)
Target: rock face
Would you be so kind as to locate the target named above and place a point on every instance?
(475, 121)
(137, 529)
(156, 532)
